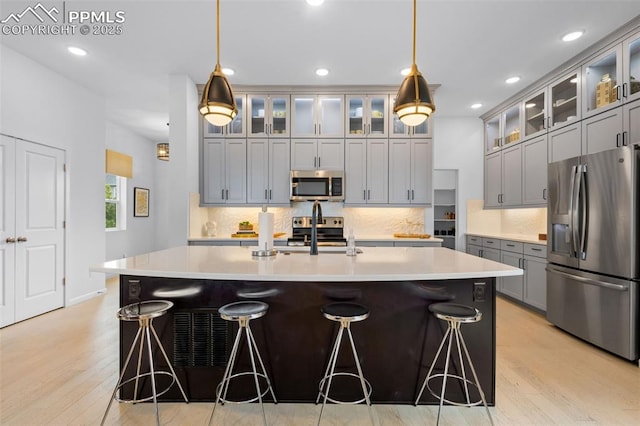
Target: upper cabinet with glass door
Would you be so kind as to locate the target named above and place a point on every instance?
(602, 82)
(511, 125)
(493, 134)
(565, 101)
(398, 129)
(367, 115)
(631, 63)
(235, 129)
(268, 115)
(535, 114)
(318, 116)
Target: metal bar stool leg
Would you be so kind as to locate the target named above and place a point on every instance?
(153, 377)
(255, 375)
(326, 373)
(364, 386)
(433, 363)
(124, 369)
(227, 373)
(264, 370)
(475, 377)
(140, 352)
(333, 369)
(166, 358)
(444, 378)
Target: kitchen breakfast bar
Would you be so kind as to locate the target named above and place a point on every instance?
(396, 344)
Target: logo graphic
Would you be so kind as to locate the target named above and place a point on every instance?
(16, 17)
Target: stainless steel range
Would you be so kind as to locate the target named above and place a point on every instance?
(330, 231)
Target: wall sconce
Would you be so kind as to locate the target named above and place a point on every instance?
(162, 150)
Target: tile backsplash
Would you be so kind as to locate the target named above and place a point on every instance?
(526, 221)
(364, 221)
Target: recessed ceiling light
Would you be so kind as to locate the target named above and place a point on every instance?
(512, 80)
(405, 71)
(315, 2)
(574, 35)
(228, 71)
(530, 105)
(476, 106)
(77, 51)
(322, 72)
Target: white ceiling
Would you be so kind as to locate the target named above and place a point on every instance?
(468, 47)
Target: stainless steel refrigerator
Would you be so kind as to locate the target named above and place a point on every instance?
(593, 248)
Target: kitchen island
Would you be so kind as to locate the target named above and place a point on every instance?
(396, 343)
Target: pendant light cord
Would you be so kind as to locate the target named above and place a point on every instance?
(414, 32)
(218, 33)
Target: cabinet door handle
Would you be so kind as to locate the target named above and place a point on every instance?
(618, 143)
(10, 240)
(481, 253)
(536, 249)
(412, 195)
(319, 129)
(270, 194)
(227, 193)
(625, 138)
(408, 194)
(315, 129)
(222, 194)
(314, 161)
(618, 92)
(511, 245)
(364, 194)
(319, 161)
(368, 194)
(544, 194)
(21, 239)
(265, 194)
(624, 90)
(266, 128)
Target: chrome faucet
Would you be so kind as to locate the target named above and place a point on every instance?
(316, 215)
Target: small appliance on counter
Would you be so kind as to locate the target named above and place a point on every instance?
(330, 231)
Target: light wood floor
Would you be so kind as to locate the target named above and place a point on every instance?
(60, 368)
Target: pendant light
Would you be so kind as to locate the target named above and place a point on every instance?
(162, 151)
(218, 106)
(413, 101)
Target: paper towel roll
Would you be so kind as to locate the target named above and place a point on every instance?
(265, 231)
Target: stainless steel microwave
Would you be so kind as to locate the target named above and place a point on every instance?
(322, 185)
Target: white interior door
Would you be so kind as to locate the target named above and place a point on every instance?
(39, 247)
(7, 231)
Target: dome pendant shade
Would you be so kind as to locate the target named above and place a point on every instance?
(413, 101)
(218, 106)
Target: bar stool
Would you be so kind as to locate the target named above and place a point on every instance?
(455, 315)
(144, 313)
(243, 312)
(345, 313)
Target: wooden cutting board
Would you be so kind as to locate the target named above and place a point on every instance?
(255, 235)
(422, 236)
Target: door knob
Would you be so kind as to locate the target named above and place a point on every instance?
(10, 240)
(21, 239)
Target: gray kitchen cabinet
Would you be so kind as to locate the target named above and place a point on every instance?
(535, 114)
(565, 143)
(631, 119)
(367, 171)
(268, 171)
(371, 243)
(534, 171)
(565, 101)
(493, 179)
(416, 244)
(474, 250)
(512, 286)
(602, 132)
(491, 254)
(410, 171)
(535, 282)
(224, 171)
(268, 115)
(320, 154)
(631, 68)
(604, 69)
(367, 115)
(512, 176)
(317, 116)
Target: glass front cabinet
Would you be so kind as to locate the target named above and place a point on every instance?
(631, 63)
(511, 129)
(268, 115)
(318, 116)
(535, 117)
(565, 101)
(367, 116)
(602, 82)
(399, 130)
(236, 128)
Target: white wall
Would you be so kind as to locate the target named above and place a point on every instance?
(39, 105)
(458, 144)
(140, 234)
(179, 176)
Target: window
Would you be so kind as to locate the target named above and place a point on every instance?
(115, 190)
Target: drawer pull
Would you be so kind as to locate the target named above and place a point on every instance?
(511, 245)
(536, 249)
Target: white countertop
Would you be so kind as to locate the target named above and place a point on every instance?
(373, 264)
(533, 239)
(382, 237)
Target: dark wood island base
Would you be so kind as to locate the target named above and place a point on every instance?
(396, 343)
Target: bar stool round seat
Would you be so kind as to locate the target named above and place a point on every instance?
(144, 313)
(243, 312)
(455, 314)
(345, 313)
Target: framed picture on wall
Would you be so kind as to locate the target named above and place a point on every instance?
(140, 202)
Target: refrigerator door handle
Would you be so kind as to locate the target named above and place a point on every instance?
(572, 211)
(582, 178)
(598, 283)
